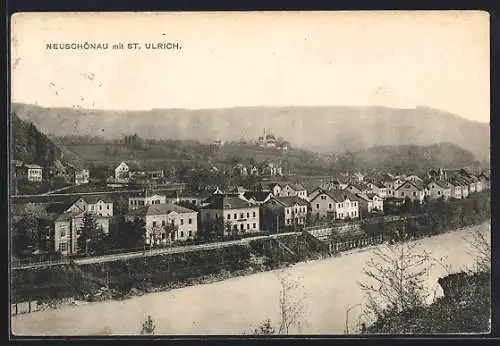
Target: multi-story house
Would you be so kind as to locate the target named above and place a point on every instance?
(459, 188)
(230, 214)
(271, 169)
(34, 172)
(370, 203)
(63, 227)
(439, 189)
(122, 171)
(378, 189)
(292, 190)
(358, 187)
(334, 204)
(166, 222)
(145, 198)
(412, 190)
(81, 176)
(280, 213)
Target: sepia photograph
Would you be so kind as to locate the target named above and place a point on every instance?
(250, 173)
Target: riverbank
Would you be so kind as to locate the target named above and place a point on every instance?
(464, 308)
(239, 304)
(113, 291)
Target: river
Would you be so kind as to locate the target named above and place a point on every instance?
(238, 305)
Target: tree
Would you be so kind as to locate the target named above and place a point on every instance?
(25, 231)
(480, 249)
(396, 276)
(91, 234)
(291, 306)
(148, 326)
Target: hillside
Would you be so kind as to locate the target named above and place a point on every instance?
(405, 158)
(324, 129)
(30, 145)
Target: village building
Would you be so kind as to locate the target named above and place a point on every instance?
(34, 172)
(370, 203)
(413, 190)
(459, 188)
(439, 189)
(145, 198)
(414, 178)
(335, 204)
(358, 188)
(62, 223)
(292, 190)
(257, 197)
(230, 214)
(154, 175)
(283, 212)
(166, 222)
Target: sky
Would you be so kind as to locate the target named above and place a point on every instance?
(394, 59)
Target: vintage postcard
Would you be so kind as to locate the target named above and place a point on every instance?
(250, 173)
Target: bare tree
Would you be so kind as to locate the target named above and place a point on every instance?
(396, 276)
(291, 306)
(480, 249)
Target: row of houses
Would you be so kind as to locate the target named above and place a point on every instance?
(270, 207)
(36, 173)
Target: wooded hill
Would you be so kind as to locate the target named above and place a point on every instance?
(321, 129)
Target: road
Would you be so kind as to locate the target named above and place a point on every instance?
(153, 252)
(91, 193)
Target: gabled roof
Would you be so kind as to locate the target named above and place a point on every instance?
(440, 183)
(298, 187)
(258, 196)
(417, 184)
(133, 166)
(32, 166)
(224, 202)
(95, 199)
(290, 201)
(336, 195)
(144, 194)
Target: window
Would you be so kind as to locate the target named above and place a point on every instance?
(288, 211)
(414, 193)
(182, 234)
(193, 201)
(242, 216)
(182, 222)
(63, 247)
(317, 206)
(248, 226)
(242, 227)
(190, 221)
(253, 214)
(163, 235)
(439, 192)
(163, 222)
(329, 206)
(100, 207)
(63, 232)
(229, 216)
(254, 225)
(172, 223)
(154, 223)
(131, 202)
(288, 221)
(248, 214)
(107, 207)
(235, 216)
